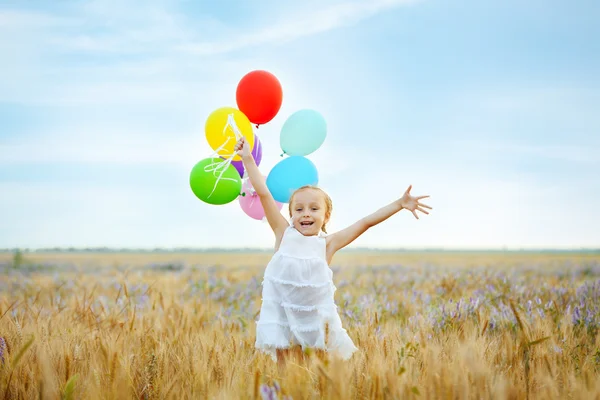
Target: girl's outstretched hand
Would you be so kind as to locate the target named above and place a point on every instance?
(412, 203)
(241, 148)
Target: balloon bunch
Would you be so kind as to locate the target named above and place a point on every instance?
(220, 178)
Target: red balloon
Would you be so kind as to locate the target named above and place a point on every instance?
(259, 96)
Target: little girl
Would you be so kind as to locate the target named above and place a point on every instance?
(298, 308)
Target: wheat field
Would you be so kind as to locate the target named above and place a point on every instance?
(181, 326)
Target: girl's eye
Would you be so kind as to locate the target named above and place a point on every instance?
(315, 209)
(298, 209)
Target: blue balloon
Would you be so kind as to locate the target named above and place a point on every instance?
(302, 133)
(290, 174)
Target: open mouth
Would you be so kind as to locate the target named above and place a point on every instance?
(306, 223)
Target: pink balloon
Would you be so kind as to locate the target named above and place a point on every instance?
(250, 202)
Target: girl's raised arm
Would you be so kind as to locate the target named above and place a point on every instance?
(346, 236)
(277, 221)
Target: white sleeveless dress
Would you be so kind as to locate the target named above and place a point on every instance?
(298, 301)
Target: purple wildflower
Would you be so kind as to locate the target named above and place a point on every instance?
(589, 318)
(2, 347)
(349, 314)
(269, 393)
(265, 391)
(576, 316)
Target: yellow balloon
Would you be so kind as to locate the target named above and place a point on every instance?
(222, 127)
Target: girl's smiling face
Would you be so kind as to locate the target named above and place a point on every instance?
(309, 211)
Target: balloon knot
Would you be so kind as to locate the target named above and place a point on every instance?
(256, 126)
(243, 194)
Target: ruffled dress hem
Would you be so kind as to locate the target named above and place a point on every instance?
(298, 301)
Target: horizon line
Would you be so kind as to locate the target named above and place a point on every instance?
(184, 249)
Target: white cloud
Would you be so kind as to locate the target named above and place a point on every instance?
(156, 70)
(126, 216)
(105, 148)
(29, 20)
(563, 153)
(303, 23)
(98, 27)
(166, 50)
(125, 27)
(550, 110)
(470, 210)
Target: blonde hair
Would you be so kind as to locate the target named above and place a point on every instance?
(328, 203)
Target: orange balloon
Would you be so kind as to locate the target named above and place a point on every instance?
(259, 96)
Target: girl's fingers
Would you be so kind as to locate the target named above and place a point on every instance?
(423, 211)
(424, 205)
(422, 197)
(415, 214)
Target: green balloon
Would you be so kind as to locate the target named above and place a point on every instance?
(203, 179)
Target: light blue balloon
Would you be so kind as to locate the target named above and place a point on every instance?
(290, 174)
(302, 133)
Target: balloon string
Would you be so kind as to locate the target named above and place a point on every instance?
(219, 168)
(231, 123)
(258, 146)
(253, 195)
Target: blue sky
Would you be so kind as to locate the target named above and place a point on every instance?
(490, 107)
